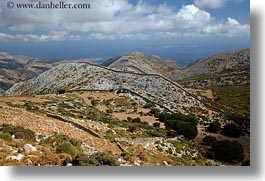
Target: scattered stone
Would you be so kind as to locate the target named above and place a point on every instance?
(69, 164)
(166, 164)
(19, 157)
(137, 163)
(29, 162)
(28, 148)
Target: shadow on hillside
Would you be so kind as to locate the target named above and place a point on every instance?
(181, 172)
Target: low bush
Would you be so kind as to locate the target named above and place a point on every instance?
(19, 132)
(132, 128)
(156, 125)
(232, 130)
(61, 91)
(67, 148)
(228, 151)
(188, 130)
(155, 112)
(6, 136)
(136, 120)
(209, 140)
(109, 111)
(59, 139)
(94, 102)
(185, 125)
(214, 127)
(209, 154)
(96, 159)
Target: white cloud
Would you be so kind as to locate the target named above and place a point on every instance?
(113, 19)
(53, 36)
(192, 17)
(230, 28)
(213, 4)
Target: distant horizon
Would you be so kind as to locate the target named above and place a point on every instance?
(181, 62)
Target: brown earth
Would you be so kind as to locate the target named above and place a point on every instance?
(46, 126)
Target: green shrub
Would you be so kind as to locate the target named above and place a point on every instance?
(59, 139)
(109, 136)
(19, 132)
(29, 106)
(228, 151)
(171, 133)
(214, 127)
(156, 125)
(81, 160)
(6, 136)
(136, 120)
(129, 119)
(132, 128)
(103, 159)
(209, 140)
(163, 117)
(109, 111)
(67, 148)
(155, 112)
(156, 133)
(209, 154)
(188, 130)
(232, 131)
(96, 159)
(148, 106)
(94, 102)
(61, 91)
(185, 125)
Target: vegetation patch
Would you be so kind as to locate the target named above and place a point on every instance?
(234, 99)
(96, 159)
(68, 148)
(6, 136)
(19, 132)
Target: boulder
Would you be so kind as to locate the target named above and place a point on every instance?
(19, 157)
(28, 148)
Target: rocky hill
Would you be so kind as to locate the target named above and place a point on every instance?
(142, 63)
(84, 76)
(224, 81)
(14, 69)
(231, 68)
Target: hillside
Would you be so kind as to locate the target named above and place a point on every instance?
(84, 76)
(14, 69)
(143, 63)
(104, 128)
(126, 112)
(231, 68)
(223, 80)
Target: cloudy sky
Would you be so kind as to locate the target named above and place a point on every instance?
(184, 30)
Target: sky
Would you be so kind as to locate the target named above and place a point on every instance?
(182, 30)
